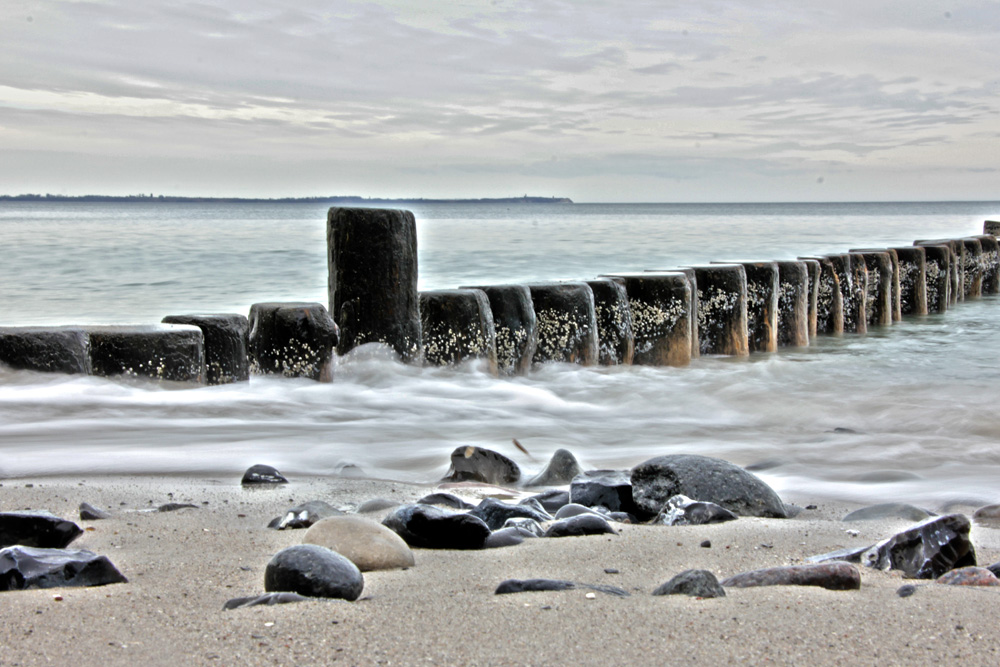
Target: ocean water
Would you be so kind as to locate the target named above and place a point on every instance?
(906, 412)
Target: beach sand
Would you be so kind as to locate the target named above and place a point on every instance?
(183, 566)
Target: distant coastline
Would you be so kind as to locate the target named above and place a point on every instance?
(281, 200)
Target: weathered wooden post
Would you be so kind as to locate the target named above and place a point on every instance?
(973, 268)
(829, 300)
(722, 309)
(372, 258)
(853, 287)
(173, 352)
(813, 271)
(457, 325)
(45, 349)
(515, 325)
(567, 323)
(661, 316)
(956, 289)
(938, 270)
(991, 263)
(615, 331)
(292, 339)
(793, 304)
(912, 280)
(879, 298)
(226, 334)
(762, 305)
(991, 227)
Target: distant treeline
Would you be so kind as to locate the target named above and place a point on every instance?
(284, 200)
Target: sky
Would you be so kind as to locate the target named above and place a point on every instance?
(599, 101)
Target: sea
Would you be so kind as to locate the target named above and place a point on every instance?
(906, 412)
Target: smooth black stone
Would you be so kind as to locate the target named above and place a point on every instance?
(515, 325)
(457, 325)
(476, 464)
(372, 261)
(173, 507)
(495, 513)
(551, 500)
(995, 568)
(45, 350)
(262, 474)
(576, 509)
(706, 544)
(506, 537)
(267, 599)
(314, 571)
(447, 500)
(291, 339)
(707, 479)
(682, 511)
(23, 567)
(888, 511)
(225, 334)
(174, 352)
(431, 527)
(36, 529)
(305, 515)
(525, 526)
(696, 583)
(528, 585)
(906, 590)
(90, 513)
(611, 489)
(561, 469)
(584, 524)
(615, 333)
(927, 550)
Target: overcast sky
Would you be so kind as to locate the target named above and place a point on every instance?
(623, 100)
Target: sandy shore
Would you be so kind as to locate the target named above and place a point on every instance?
(182, 566)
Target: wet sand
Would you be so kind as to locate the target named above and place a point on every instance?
(183, 565)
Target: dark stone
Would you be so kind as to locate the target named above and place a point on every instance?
(268, 599)
(551, 500)
(888, 511)
(584, 524)
(927, 550)
(516, 327)
(831, 576)
(431, 527)
(706, 544)
(912, 280)
(225, 335)
(23, 567)
(906, 590)
(174, 352)
(829, 298)
(562, 468)
(90, 513)
(696, 583)
(457, 326)
(662, 311)
(610, 489)
(446, 500)
(262, 474)
(878, 300)
(313, 571)
(683, 511)
(708, 479)
(36, 529)
(567, 323)
(292, 339)
(969, 576)
(995, 568)
(535, 505)
(525, 526)
(531, 585)
(173, 507)
(372, 260)
(615, 335)
(475, 464)
(45, 350)
(793, 304)
(305, 515)
(937, 267)
(722, 309)
(575, 509)
(495, 513)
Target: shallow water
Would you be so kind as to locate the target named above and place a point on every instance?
(903, 413)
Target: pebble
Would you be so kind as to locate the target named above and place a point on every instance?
(584, 524)
(431, 527)
(969, 576)
(696, 583)
(366, 543)
(313, 571)
(262, 474)
(831, 576)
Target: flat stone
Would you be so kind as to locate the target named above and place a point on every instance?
(831, 576)
(495, 513)
(530, 585)
(267, 599)
(429, 527)
(445, 500)
(575, 509)
(366, 543)
(682, 511)
(36, 529)
(561, 469)
(305, 515)
(507, 537)
(696, 583)
(969, 576)
(313, 571)
(611, 489)
(906, 590)
(927, 550)
(584, 524)
(888, 511)
(262, 474)
(24, 567)
(90, 513)
(477, 464)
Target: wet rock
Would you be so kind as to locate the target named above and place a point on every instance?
(475, 464)
(225, 336)
(90, 513)
(888, 511)
(457, 325)
(515, 325)
(662, 313)
(304, 515)
(531, 585)
(969, 576)
(567, 323)
(906, 590)
(268, 599)
(174, 352)
(831, 576)
(23, 567)
(584, 524)
(429, 527)
(722, 309)
(793, 304)
(683, 511)
(262, 474)
(292, 339)
(376, 505)
(535, 505)
(36, 529)
(367, 544)
(45, 350)
(372, 261)
(696, 583)
(445, 500)
(495, 513)
(708, 479)
(552, 500)
(927, 550)
(313, 571)
(525, 525)
(611, 489)
(561, 469)
(615, 333)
